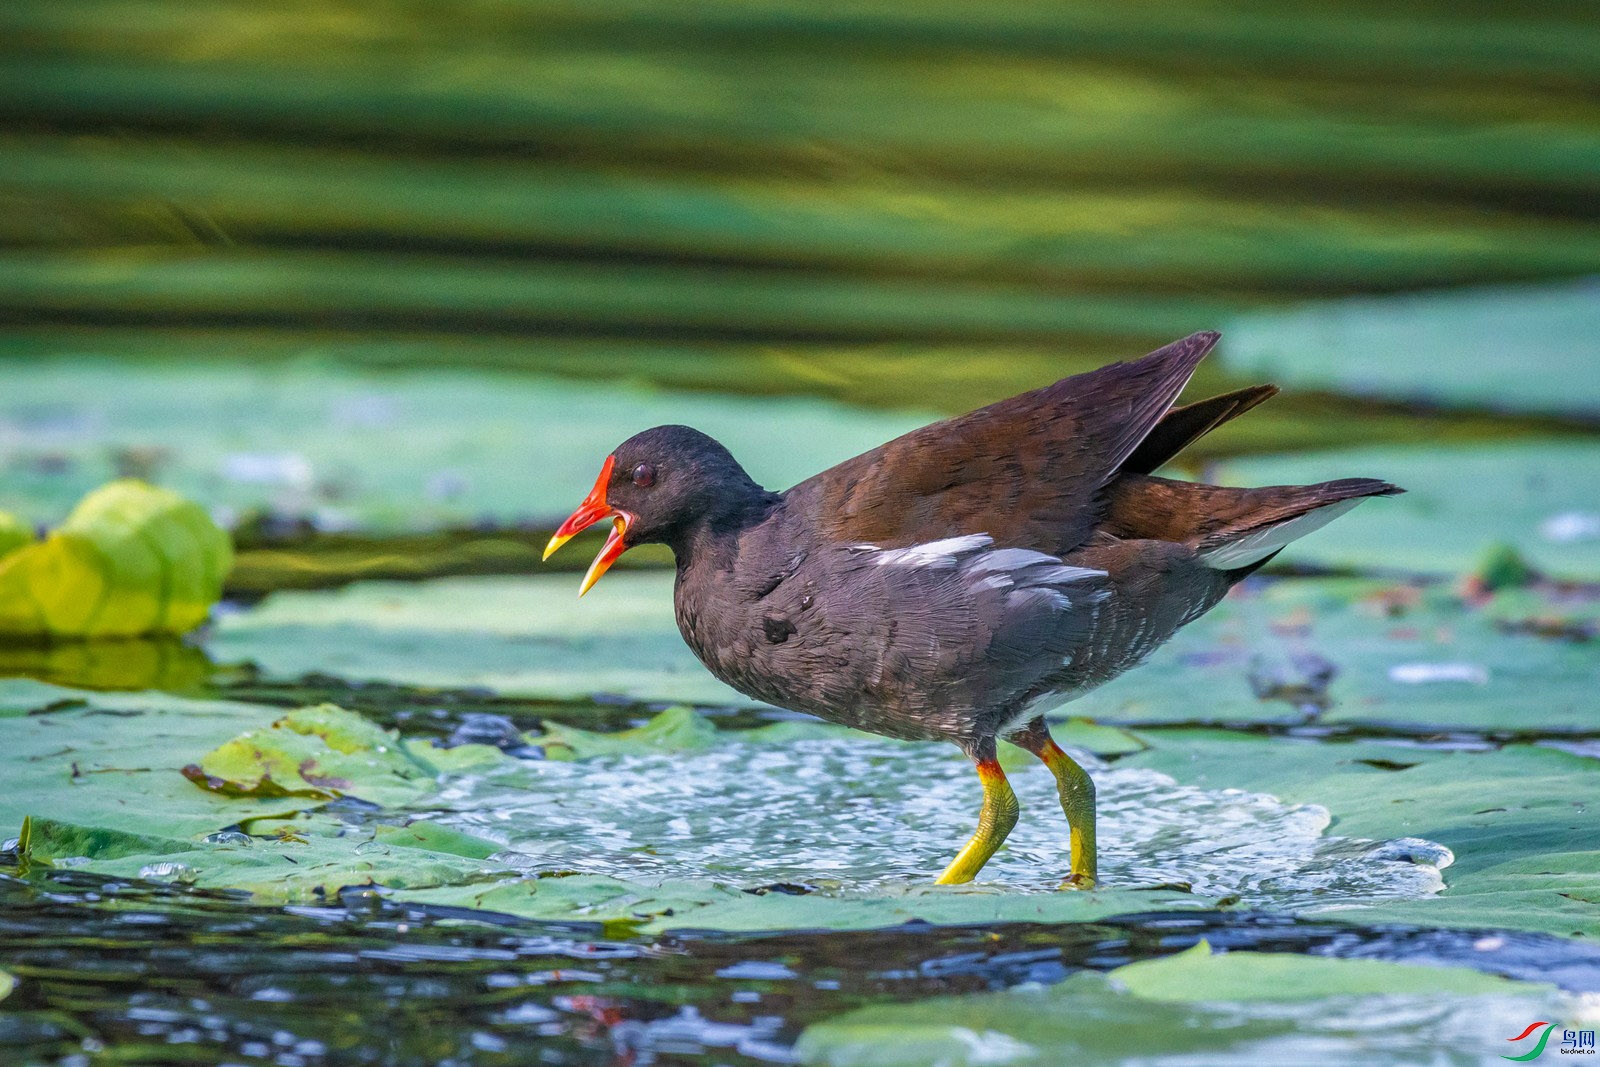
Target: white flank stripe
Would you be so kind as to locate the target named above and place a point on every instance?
(934, 553)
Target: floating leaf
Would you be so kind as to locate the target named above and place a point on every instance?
(114, 760)
(264, 435)
(14, 534)
(7, 984)
(1199, 975)
(435, 838)
(1359, 652)
(319, 753)
(295, 868)
(517, 636)
(703, 904)
(676, 729)
(1525, 856)
(131, 559)
(1528, 347)
(1265, 1009)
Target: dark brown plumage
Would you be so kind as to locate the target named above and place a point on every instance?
(959, 580)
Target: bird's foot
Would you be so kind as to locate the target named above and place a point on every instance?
(1078, 881)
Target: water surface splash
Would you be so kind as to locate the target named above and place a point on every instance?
(849, 816)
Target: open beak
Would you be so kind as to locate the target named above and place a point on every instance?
(593, 509)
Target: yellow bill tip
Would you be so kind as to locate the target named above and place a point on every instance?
(555, 542)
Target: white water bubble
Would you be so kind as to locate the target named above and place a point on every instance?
(851, 816)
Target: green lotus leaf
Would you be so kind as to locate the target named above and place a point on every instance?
(14, 534)
(1508, 348)
(1524, 854)
(1261, 1009)
(436, 838)
(7, 984)
(281, 868)
(318, 753)
(131, 559)
(1199, 975)
(677, 729)
(114, 760)
(52, 839)
(526, 636)
(653, 906)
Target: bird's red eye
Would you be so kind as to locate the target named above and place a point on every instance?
(644, 476)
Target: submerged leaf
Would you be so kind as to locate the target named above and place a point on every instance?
(131, 559)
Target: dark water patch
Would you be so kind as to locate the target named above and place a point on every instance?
(461, 715)
(137, 972)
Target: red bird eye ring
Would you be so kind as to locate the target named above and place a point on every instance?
(644, 476)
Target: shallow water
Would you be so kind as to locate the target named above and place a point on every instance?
(853, 816)
(132, 972)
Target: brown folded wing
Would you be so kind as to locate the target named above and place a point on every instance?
(1028, 471)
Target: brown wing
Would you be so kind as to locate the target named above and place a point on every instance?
(1182, 427)
(1027, 471)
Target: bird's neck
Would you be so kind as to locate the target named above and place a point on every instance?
(713, 536)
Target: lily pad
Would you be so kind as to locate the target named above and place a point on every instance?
(288, 868)
(1261, 1009)
(299, 438)
(14, 534)
(1514, 818)
(115, 760)
(677, 729)
(1543, 506)
(1200, 976)
(131, 559)
(318, 753)
(1359, 652)
(1257, 657)
(7, 984)
(516, 636)
(703, 904)
(1526, 348)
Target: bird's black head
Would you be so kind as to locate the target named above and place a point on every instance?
(661, 486)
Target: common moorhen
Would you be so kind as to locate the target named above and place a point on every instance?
(961, 580)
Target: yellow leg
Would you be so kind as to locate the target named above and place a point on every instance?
(995, 821)
(1077, 800)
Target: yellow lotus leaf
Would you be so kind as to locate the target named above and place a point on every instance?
(14, 533)
(131, 559)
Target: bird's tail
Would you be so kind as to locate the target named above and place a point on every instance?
(1231, 528)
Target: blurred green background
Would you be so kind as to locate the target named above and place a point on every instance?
(320, 265)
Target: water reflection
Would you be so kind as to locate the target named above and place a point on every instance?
(134, 663)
